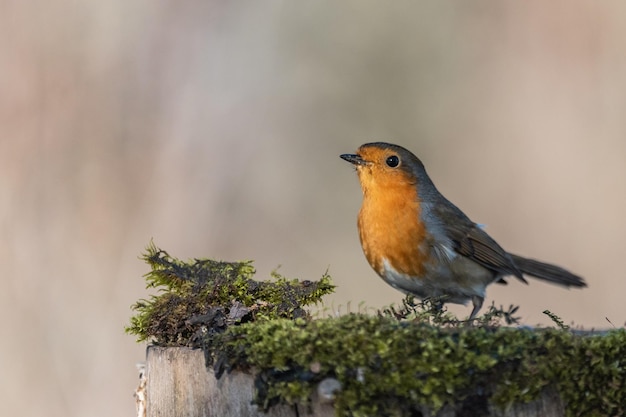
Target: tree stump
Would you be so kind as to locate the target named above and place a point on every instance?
(177, 383)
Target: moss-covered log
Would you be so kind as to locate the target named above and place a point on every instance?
(179, 385)
(412, 360)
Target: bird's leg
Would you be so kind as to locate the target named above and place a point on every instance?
(477, 301)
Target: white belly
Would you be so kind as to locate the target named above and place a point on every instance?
(458, 280)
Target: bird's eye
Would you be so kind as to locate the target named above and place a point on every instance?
(393, 161)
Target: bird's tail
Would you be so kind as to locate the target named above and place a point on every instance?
(547, 272)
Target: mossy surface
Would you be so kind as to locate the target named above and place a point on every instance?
(398, 362)
(202, 297)
(389, 367)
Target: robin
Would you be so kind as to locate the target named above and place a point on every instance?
(422, 244)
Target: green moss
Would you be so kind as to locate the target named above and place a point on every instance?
(405, 360)
(202, 297)
(388, 367)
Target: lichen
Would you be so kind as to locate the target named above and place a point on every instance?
(399, 361)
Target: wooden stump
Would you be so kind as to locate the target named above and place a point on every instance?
(177, 383)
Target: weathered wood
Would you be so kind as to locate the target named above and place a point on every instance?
(178, 384)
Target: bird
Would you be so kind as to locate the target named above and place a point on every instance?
(420, 243)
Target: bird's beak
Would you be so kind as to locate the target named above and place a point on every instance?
(353, 159)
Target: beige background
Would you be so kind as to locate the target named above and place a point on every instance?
(214, 127)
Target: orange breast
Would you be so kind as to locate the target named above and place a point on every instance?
(390, 228)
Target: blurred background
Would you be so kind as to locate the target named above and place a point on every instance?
(214, 128)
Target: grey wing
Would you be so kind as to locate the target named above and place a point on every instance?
(469, 240)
